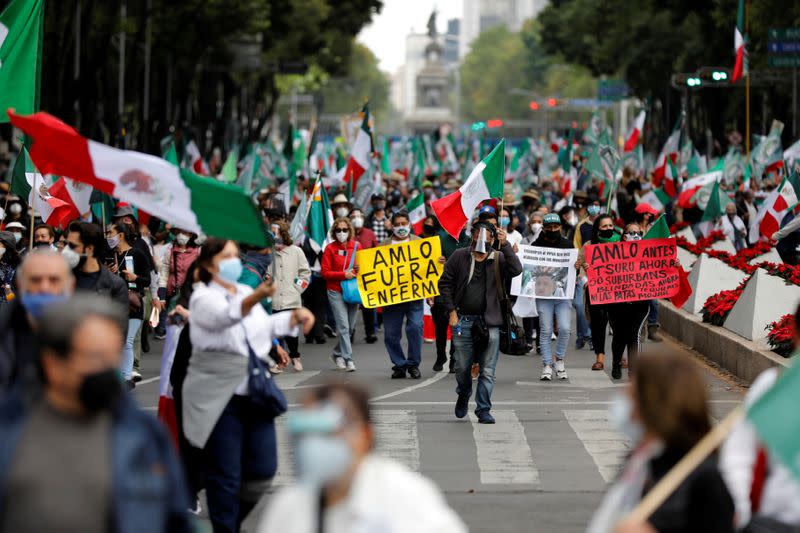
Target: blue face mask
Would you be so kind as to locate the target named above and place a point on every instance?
(321, 459)
(593, 210)
(36, 304)
(230, 269)
(619, 414)
(504, 221)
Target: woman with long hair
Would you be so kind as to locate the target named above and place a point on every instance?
(663, 422)
(133, 267)
(9, 261)
(226, 325)
(335, 262)
(291, 276)
(602, 232)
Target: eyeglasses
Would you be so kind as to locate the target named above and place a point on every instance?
(638, 233)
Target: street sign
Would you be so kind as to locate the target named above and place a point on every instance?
(612, 90)
(784, 47)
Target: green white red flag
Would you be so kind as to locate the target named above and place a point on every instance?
(416, 212)
(668, 153)
(174, 195)
(636, 132)
(739, 48)
(484, 182)
(775, 207)
(28, 183)
(360, 153)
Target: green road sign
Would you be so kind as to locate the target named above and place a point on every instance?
(784, 61)
(784, 34)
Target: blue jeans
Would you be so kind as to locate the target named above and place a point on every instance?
(344, 315)
(393, 333)
(463, 358)
(652, 318)
(561, 310)
(134, 324)
(584, 331)
(241, 449)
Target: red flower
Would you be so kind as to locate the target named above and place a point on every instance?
(781, 334)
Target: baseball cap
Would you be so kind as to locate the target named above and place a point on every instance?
(552, 218)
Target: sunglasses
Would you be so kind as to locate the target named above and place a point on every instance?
(639, 233)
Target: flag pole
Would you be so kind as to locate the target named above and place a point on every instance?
(33, 216)
(747, 85)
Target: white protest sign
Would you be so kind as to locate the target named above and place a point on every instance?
(546, 273)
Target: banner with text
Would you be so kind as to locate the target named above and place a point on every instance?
(546, 272)
(399, 273)
(632, 271)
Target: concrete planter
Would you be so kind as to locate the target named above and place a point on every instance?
(745, 359)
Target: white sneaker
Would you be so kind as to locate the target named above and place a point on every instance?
(275, 370)
(350, 366)
(547, 373)
(338, 361)
(561, 369)
(297, 365)
(553, 337)
(136, 376)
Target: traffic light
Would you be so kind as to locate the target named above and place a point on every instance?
(494, 123)
(719, 75)
(534, 105)
(693, 81)
(714, 75)
(478, 126)
(552, 102)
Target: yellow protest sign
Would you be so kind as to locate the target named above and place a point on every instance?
(399, 273)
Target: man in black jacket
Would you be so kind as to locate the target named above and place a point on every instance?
(44, 278)
(86, 243)
(468, 293)
(551, 309)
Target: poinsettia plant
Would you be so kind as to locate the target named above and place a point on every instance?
(780, 335)
(676, 227)
(718, 306)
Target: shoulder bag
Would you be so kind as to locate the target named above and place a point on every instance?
(512, 335)
(350, 292)
(262, 389)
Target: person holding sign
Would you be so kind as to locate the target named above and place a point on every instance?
(393, 315)
(663, 422)
(469, 293)
(551, 309)
(335, 262)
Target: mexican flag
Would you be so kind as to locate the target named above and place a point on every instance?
(320, 218)
(668, 152)
(484, 182)
(175, 195)
(360, 152)
(767, 156)
(636, 132)
(21, 31)
(657, 198)
(774, 416)
(29, 183)
(76, 194)
(660, 230)
(193, 160)
(739, 49)
(715, 203)
(229, 172)
(416, 212)
(775, 207)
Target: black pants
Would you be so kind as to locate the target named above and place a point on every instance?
(531, 324)
(598, 316)
(315, 299)
(441, 324)
(627, 321)
(369, 321)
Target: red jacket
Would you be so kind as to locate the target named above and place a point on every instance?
(335, 259)
(366, 238)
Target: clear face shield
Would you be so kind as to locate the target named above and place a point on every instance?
(484, 242)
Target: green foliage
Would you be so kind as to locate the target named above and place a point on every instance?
(365, 80)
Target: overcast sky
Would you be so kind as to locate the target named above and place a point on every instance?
(386, 35)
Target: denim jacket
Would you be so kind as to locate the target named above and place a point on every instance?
(148, 488)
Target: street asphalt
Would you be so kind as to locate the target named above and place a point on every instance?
(542, 468)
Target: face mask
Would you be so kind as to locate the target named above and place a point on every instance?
(379, 205)
(481, 244)
(536, 227)
(606, 233)
(17, 236)
(593, 210)
(551, 235)
(15, 209)
(182, 239)
(36, 304)
(230, 269)
(571, 220)
(429, 230)
(341, 211)
(113, 242)
(200, 239)
(619, 413)
(72, 257)
(100, 390)
(342, 236)
(358, 222)
(321, 459)
(401, 232)
(504, 222)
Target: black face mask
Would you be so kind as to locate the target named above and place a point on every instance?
(551, 235)
(101, 390)
(606, 233)
(429, 230)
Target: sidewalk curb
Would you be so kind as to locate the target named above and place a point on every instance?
(745, 359)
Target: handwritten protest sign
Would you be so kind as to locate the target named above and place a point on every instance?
(546, 272)
(399, 273)
(632, 271)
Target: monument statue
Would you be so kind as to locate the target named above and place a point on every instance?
(432, 25)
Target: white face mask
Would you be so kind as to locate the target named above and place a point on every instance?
(619, 413)
(182, 239)
(15, 209)
(342, 236)
(17, 236)
(358, 222)
(341, 211)
(536, 227)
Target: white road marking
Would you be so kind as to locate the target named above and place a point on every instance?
(290, 379)
(285, 473)
(504, 456)
(148, 380)
(429, 381)
(607, 447)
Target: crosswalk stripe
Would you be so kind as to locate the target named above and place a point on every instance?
(607, 447)
(395, 433)
(504, 456)
(290, 379)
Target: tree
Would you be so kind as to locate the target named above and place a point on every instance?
(365, 80)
